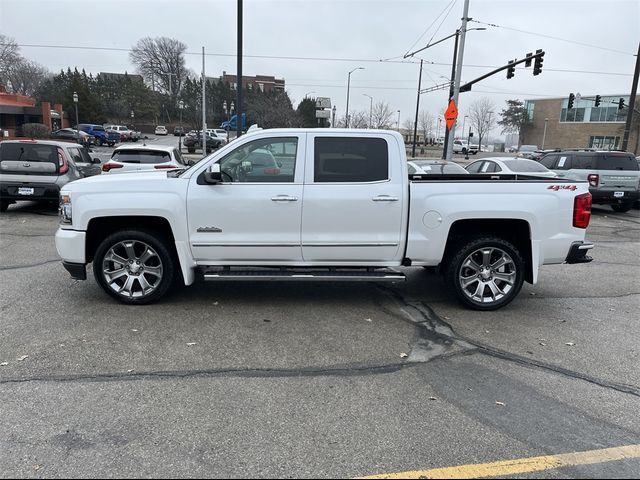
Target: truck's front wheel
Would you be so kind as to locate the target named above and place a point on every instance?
(485, 273)
(134, 266)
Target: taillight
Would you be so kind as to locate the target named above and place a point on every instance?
(272, 171)
(582, 210)
(62, 161)
(593, 179)
(159, 167)
(110, 166)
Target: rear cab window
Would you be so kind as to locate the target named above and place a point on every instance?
(141, 156)
(350, 159)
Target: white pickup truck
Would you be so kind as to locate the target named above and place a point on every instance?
(318, 204)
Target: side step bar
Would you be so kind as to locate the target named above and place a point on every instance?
(282, 275)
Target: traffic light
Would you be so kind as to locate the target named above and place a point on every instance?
(598, 100)
(572, 97)
(511, 71)
(537, 66)
(529, 57)
(621, 104)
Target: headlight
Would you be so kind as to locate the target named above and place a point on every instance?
(65, 208)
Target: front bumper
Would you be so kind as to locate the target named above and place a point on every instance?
(578, 253)
(70, 245)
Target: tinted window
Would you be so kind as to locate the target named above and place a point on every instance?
(348, 159)
(549, 160)
(98, 128)
(583, 162)
(25, 152)
(617, 162)
(141, 156)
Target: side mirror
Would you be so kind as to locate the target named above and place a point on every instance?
(212, 174)
(247, 166)
(96, 160)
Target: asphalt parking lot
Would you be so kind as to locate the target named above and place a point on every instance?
(317, 380)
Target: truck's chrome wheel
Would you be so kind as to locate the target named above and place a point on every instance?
(487, 275)
(132, 268)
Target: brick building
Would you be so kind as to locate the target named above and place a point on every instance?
(16, 110)
(583, 126)
(264, 83)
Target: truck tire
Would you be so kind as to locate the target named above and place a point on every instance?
(4, 205)
(485, 273)
(622, 207)
(134, 266)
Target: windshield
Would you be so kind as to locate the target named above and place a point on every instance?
(440, 168)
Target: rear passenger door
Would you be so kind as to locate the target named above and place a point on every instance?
(354, 202)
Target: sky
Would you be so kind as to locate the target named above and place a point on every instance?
(590, 45)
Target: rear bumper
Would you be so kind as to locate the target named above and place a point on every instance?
(578, 253)
(41, 191)
(608, 196)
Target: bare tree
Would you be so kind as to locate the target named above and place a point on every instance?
(425, 122)
(9, 55)
(408, 124)
(161, 62)
(25, 77)
(483, 117)
(359, 120)
(382, 115)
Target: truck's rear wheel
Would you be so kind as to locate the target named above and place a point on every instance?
(486, 273)
(622, 207)
(134, 266)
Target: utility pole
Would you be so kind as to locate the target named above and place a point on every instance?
(204, 110)
(456, 83)
(632, 102)
(448, 138)
(239, 74)
(415, 125)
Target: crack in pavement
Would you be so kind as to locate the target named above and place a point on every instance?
(18, 267)
(439, 330)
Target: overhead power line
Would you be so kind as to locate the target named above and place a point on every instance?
(316, 59)
(537, 34)
(431, 25)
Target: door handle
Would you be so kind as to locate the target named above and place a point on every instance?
(385, 198)
(284, 198)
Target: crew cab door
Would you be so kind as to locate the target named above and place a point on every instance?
(354, 199)
(253, 217)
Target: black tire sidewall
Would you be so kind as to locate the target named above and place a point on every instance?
(158, 243)
(463, 250)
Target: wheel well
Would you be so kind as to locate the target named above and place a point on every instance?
(517, 232)
(101, 227)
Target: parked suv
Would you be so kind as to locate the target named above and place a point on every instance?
(194, 140)
(101, 135)
(38, 169)
(613, 176)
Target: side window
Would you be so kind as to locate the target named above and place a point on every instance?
(350, 159)
(178, 156)
(564, 162)
(486, 167)
(411, 169)
(266, 160)
(584, 162)
(475, 167)
(75, 154)
(549, 161)
(496, 168)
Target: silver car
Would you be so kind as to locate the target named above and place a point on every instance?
(37, 169)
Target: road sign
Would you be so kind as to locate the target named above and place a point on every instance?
(451, 114)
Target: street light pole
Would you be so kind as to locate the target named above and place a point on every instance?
(464, 121)
(447, 136)
(370, 110)
(544, 134)
(75, 101)
(415, 124)
(333, 121)
(180, 106)
(398, 123)
(348, 87)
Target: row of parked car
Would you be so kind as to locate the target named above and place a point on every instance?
(91, 134)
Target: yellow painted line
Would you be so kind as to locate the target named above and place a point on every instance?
(522, 465)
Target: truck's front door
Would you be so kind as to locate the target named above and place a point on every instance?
(254, 216)
(354, 199)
